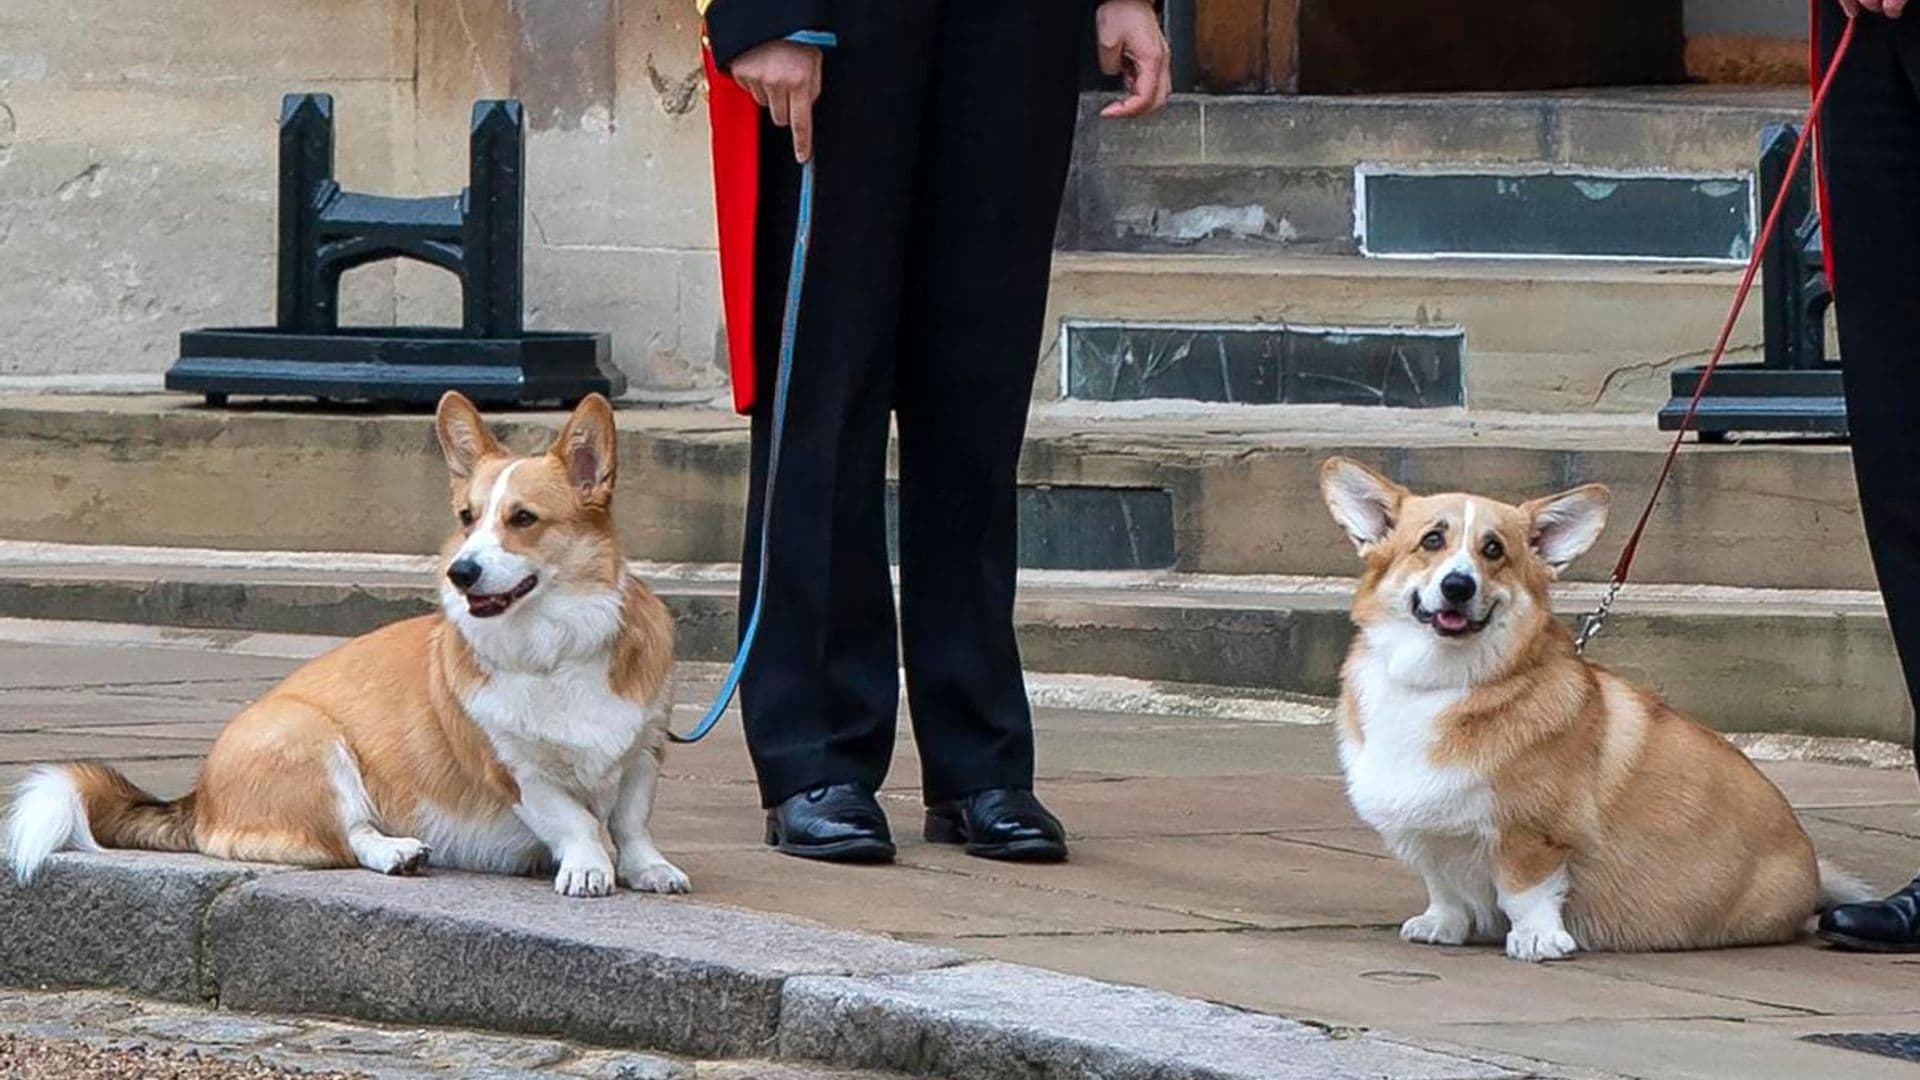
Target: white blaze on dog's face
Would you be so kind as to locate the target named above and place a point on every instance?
(1455, 573)
(529, 526)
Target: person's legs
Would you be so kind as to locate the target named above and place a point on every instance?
(820, 692)
(1870, 143)
(1871, 154)
(996, 138)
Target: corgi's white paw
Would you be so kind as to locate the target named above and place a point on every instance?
(1534, 946)
(656, 877)
(394, 855)
(584, 879)
(1438, 926)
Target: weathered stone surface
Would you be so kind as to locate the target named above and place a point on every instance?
(994, 1021)
(678, 976)
(613, 1065)
(132, 921)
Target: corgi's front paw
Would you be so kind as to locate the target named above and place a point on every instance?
(584, 879)
(1534, 946)
(657, 876)
(1438, 926)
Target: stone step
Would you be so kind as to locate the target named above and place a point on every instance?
(1270, 173)
(1531, 336)
(1807, 662)
(1198, 489)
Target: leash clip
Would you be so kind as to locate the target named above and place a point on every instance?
(1592, 623)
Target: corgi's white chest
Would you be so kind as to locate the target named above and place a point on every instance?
(1391, 777)
(567, 725)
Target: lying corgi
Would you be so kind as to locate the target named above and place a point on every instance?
(520, 727)
(1541, 797)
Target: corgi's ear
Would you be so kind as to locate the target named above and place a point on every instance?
(1565, 526)
(464, 437)
(1365, 503)
(585, 450)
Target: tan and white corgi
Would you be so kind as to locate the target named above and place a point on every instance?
(1542, 798)
(519, 728)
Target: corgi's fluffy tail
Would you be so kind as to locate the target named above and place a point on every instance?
(1839, 887)
(86, 807)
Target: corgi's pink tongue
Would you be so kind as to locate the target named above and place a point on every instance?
(1451, 621)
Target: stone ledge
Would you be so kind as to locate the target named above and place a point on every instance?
(1797, 662)
(111, 920)
(992, 1021)
(655, 973)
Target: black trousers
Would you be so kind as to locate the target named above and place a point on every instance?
(1871, 153)
(942, 138)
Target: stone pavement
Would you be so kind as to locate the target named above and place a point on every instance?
(1214, 858)
(146, 1038)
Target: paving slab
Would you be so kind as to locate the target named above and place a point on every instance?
(1248, 880)
(639, 970)
(1353, 978)
(1686, 1049)
(925, 895)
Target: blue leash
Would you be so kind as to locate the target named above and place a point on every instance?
(783, 375)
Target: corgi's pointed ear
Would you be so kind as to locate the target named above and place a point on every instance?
(464, 436)
(585, 449)
(1365, 503)
(1565, 526)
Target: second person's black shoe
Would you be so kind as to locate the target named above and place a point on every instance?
(836, 823)
(1002, 823)
(1890, 925)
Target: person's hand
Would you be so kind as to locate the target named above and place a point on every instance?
(784, 77)
(1892, 9)
(1131, 44)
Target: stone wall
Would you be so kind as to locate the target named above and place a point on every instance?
(137, 151)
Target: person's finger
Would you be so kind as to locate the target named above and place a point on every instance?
(777, 105)
(753, 87)
(801, 110)
(1135, 103)
(1162, 78)
(1113, 55)
(1893, 9)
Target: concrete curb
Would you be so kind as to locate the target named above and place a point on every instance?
(1772, 661)
(662, 974)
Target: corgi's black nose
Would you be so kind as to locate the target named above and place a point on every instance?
(465, 572)
(1458, 588)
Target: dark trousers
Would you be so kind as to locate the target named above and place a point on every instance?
(942, 138)
(1871, 153)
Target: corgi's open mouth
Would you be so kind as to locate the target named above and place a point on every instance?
(487, 605)
(1451, 622)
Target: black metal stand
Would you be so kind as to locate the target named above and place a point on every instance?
(476, 235)
(1795, 389)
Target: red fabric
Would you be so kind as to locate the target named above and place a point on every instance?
(1822, 202)
(735, 117)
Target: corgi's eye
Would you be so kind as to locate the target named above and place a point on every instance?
(1493, 548)
(1434, 540)
(466, 517)
(522, 519)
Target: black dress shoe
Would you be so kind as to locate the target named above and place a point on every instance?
(837, 823)
(1890, 925)
(1003, 823)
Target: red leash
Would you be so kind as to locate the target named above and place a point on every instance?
(1593, 623)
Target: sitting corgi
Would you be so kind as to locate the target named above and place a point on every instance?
(1541, 797)
(520, 727)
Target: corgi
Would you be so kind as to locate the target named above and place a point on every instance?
(1548, 803)
(519, 728)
